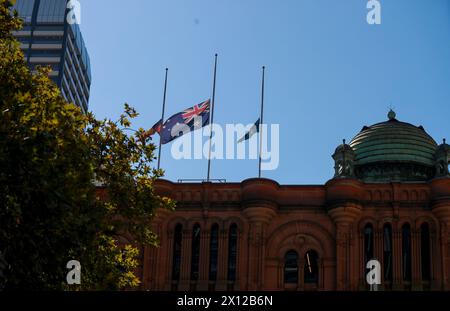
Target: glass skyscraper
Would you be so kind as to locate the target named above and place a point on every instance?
(48, 39)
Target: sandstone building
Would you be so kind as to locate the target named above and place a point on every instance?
(389, 200)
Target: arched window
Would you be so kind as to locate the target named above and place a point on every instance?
(213, 252)
(406, 252)
(387, 252)
(176, 257)
(311, 269)
(368, 244)
(232, 252)
(425, 252)
(291, 267)
(195, 259)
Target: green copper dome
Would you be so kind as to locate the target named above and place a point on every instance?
(394, 151)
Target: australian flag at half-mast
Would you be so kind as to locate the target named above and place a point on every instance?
(184, 122)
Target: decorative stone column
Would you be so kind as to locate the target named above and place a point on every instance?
(203, 279)
(259, 218)
(259, 207)
(344, 217)
(343, 197)
(397, 256)
(280, 274)
(361, 268)
(301, 273)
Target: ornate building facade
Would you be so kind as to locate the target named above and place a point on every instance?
(389, 200)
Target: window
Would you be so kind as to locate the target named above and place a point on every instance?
(387, 252)
(406, 253)
(195, 259)
(176, 259)
(311, 269)
(425, 252)
(291, 267)
(46, 53)
(213, 252)
(51, 11)
(232, 252)
(368, 244)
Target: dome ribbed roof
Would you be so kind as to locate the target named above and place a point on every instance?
(392, 142)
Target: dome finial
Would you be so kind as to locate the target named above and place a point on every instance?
(445, 141)
(344, 141)
(392, 114)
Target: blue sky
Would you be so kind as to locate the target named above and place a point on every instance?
(328, 73)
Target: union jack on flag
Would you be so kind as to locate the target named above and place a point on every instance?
(190, 113)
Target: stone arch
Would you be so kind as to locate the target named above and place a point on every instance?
(426, 219)
(314, 235)
(367, 220)
(191, 222)
(383, 222)
(301, 252)
(241, 224)
(301, 247)
(300, 236)
(214, 220)
(171, 223)
(434, 256)
(239, 258)
(406, 220)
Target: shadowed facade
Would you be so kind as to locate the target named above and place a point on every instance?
(389, 200)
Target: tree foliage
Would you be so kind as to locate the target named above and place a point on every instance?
(71, 186)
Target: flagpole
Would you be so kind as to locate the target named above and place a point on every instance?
(261, 121)
(212, 118)
(162, 119)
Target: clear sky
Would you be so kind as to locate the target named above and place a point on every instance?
(328, 74)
